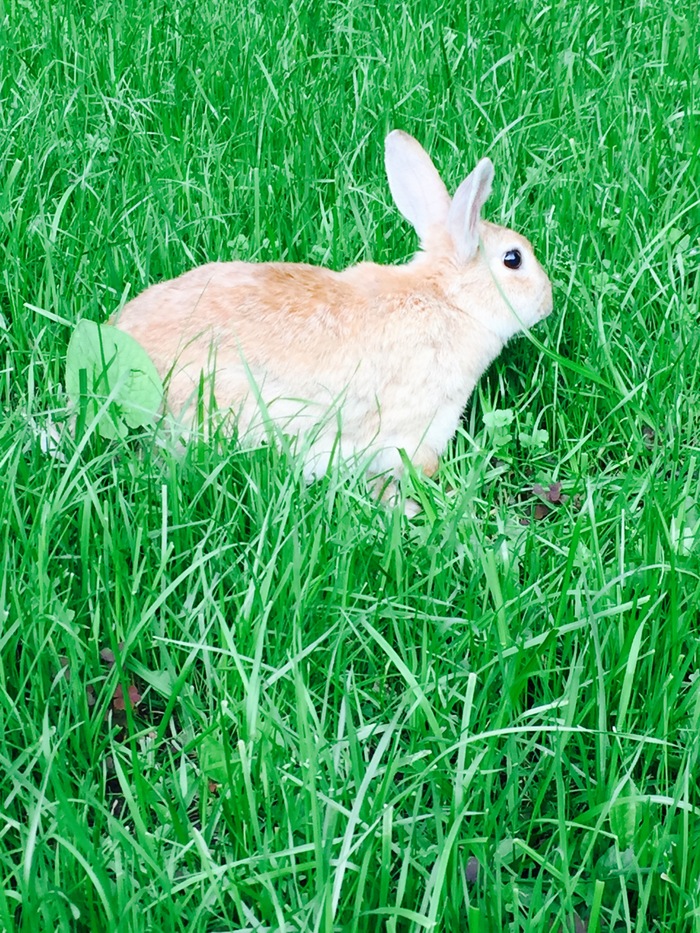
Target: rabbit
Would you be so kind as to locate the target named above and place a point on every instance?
(374, 361)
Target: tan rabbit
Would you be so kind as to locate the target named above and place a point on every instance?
(369, 361)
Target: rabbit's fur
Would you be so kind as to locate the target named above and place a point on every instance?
(370, 361)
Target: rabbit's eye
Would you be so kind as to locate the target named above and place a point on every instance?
(513, 259)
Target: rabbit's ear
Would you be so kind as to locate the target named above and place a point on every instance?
(417, 189)
(465, 213)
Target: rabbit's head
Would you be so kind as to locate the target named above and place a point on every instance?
(487, 271)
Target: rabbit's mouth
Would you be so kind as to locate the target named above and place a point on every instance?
(547, 305)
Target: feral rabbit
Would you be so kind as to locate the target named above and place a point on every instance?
(372, 361)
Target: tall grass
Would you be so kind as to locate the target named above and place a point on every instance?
(230, 701)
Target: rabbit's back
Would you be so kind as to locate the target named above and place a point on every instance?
(293, 303)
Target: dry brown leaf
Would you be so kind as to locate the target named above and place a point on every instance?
(541, 511)
(119, 701)
(471, 872)
(552, 494)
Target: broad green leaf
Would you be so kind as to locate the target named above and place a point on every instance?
(623, 816)
(212, 759)
(116, 366)
(616, 862)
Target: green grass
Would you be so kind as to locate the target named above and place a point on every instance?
(343, 714)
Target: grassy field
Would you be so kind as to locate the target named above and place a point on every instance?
(229, 701)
